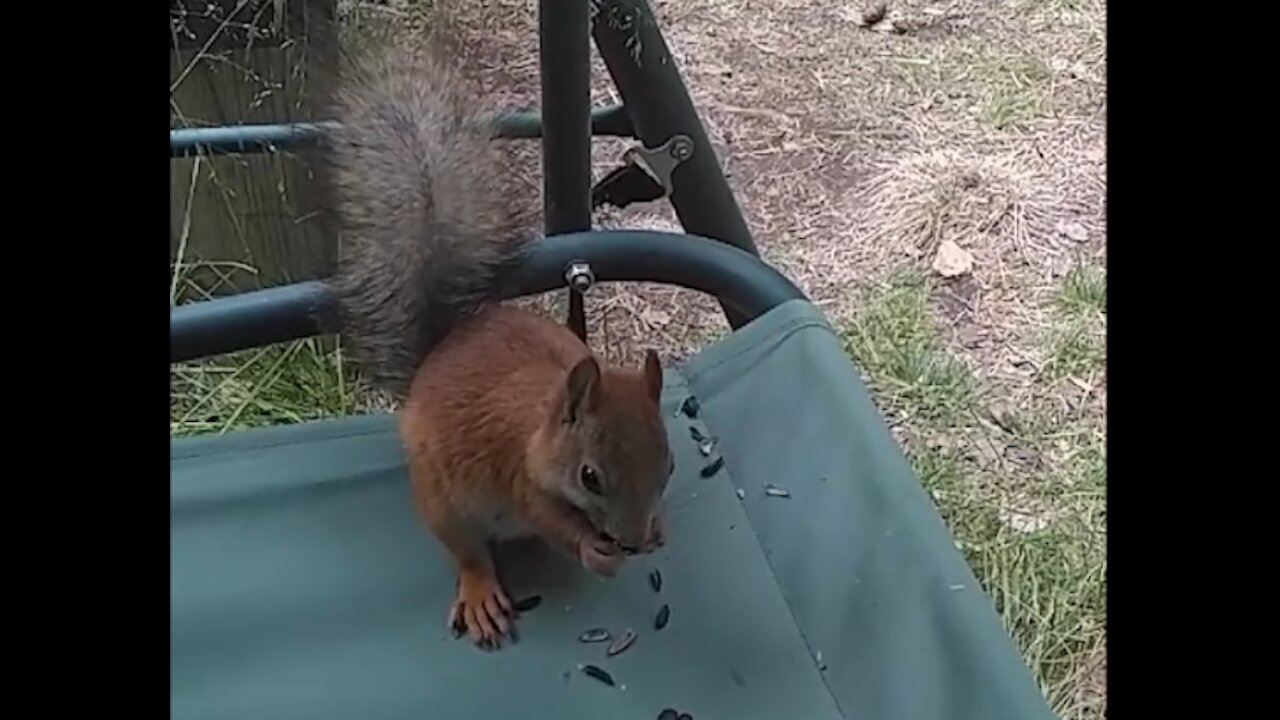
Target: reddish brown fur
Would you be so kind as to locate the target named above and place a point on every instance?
(509, 424)
(484, 427)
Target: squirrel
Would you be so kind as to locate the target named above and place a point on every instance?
(512, 427)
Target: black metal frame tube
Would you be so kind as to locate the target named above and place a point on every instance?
(636, 55)
(611, 120)
(658, 102)
(564, 46)
(564, 40)
(739, 280)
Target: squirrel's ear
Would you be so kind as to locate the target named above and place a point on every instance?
(580, 388)
(653, 375)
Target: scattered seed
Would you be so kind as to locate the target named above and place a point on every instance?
(685, 716)
(706, 445)
(655, 580)
(821, 665)
(528, 603)
(696, 434)
(595, 635)
(690, 407)
(667, 714)
(713, 468)
(775, 491)
(663, 616)
(957, 587)
(622, 643)
(596, 673)
(742, 494)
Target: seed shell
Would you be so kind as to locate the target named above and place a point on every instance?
(662, 618)
(713, 468)
(623, 642)
(595, 635)
(594, 672)
(528, 603)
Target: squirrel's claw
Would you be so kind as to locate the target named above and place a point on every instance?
(481, 610)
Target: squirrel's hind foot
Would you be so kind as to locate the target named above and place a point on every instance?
(482, 610)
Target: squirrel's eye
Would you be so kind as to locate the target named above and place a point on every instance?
(590, 481)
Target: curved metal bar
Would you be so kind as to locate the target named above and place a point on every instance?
(738, 279)
(186, 142)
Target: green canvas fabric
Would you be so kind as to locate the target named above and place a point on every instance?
(303, 585)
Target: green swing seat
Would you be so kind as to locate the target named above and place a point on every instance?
(304, 585)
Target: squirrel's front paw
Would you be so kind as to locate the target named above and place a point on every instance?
(481, 610)
(600, 556)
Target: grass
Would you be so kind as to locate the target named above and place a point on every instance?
(902, 356)
(1083, 291)
(1025, 494)
(287, 383)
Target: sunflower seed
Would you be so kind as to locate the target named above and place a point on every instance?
(667, 714)
(655, 580)
(775, 491)
(696, 434)
(713, 468)
(622, 643)
(663, 616)
(528, 603)
(597, 673)
(685, 716)
(690, 407)
(595, 635)
(742, 494)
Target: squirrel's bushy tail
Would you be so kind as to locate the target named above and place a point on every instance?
(422, 193)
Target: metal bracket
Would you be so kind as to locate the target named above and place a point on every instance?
(660, 162)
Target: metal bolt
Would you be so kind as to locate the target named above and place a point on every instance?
(681, 149)
(580, 277)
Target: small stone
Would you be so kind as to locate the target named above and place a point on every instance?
(1073, 231)
(952, 260)
(873, 13)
